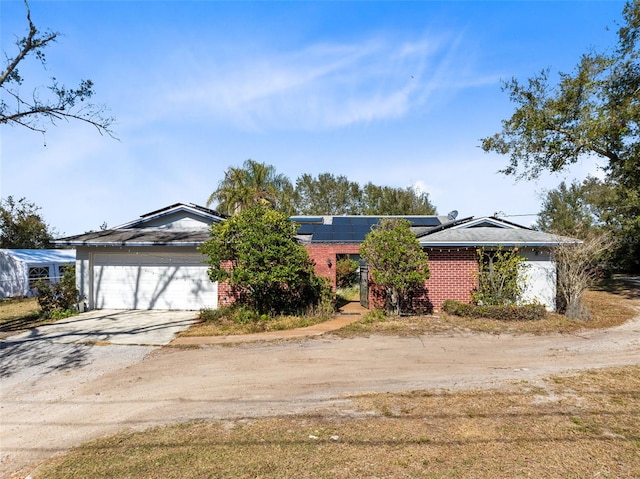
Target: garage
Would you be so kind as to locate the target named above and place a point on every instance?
(152, 281)
(151, 263)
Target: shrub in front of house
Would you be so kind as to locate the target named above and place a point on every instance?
(510, 312)
(59, 300)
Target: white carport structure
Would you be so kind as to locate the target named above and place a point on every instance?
(20, 269)
(151, 263)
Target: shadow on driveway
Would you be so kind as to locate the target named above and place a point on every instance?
(73, 337)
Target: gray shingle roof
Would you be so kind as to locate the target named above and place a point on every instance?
(490, 236)
(138, 237)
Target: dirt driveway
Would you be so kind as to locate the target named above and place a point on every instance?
(48, 407)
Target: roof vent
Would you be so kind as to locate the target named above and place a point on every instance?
(453, 215)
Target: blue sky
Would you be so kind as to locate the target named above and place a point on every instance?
(396, 93)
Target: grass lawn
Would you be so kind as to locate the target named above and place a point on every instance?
(18, 315)
(583, 425)
(610, 304)
(580, 426)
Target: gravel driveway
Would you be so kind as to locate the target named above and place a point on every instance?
(58, 395)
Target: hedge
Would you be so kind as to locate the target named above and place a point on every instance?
(525, 312)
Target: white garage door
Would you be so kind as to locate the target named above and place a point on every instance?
(152, 281)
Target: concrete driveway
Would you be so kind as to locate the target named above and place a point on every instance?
(147, 328)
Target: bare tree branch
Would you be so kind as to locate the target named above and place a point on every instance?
(578, 266)
(62, 103)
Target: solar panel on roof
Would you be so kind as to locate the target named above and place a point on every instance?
(425, 221)
(361, 221)
(307, 219)
(343, 236)
(352, 228)
(342, 220)
(322, 236)
(306, 229)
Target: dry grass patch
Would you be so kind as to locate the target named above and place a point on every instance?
(613, 303)
(224, 327)
(19, 314)
(585, 425)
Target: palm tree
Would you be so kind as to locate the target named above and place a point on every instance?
(252, 183)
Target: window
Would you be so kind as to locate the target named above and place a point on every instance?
(37, 273)
(61, 270)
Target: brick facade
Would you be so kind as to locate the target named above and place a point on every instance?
(321, 252)
(453, 274)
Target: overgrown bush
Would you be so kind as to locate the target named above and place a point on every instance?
(501, 278)
(578, 266)
(240, 313)
(256, 252)
(235, 313)
(510, 312)
(397, 262)
(346, 272)
(59, 300)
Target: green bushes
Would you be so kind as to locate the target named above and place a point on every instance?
(501, 277)
(243, 314)
(374, 316)
(59, 300)
(346, 272)
(257, 253)
(510, 312)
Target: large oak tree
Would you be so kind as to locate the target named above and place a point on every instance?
(593, 111)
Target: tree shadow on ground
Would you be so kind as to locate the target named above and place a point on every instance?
(22, 323)
(18, 357)
(625, 286)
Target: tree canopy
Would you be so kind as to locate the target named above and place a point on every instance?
(21, 226)
(573, 210)
(56, 102)
(324, 194)
(250, 184)
(327, 194)
(386, 200)
(396, 260)
(593, 111)
(256, 252)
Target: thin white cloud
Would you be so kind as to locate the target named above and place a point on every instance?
(319, 86)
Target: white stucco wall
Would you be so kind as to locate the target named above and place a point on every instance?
(541, 277)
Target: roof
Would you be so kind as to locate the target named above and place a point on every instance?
(353, 229)
(41, 256)
(491, 231)
(208, 215)
(176, 225)
(189, 225)
(139, 237)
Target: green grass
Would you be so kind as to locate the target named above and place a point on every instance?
(351, 293)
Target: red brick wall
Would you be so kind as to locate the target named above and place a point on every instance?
(453, 275)
(321, 252)
(226, 295)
